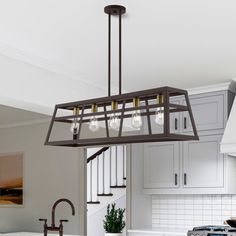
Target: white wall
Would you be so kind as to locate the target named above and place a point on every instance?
(139, 204)
(50, 173)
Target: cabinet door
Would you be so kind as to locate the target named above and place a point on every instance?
(161, 165)
(208, 112)
(203, 165)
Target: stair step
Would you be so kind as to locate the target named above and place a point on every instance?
(97, 202)
(105, 194)
(118, 186)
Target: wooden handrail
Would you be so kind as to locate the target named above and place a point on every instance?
(97, 154)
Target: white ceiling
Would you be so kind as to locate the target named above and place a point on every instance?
(10, 116)
(183, 43)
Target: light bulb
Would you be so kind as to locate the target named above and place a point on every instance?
(159, 119)
(114, 121)
(74, 129)
(136, 120)
(93, 124)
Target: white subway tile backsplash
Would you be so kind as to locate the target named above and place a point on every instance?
(207, 207)
(191, 210)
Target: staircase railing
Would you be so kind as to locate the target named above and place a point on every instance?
(104, 172)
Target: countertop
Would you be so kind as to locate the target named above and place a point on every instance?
(162, 231)
(30, 234)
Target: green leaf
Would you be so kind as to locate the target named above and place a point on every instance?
(114, 219)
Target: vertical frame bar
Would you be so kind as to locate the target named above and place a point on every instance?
(166, 113)
(51, 125)
(148, 117)
(106, 121)
(109, 55)
(121, 119)
(120, 66)
(191, 114)
(80, 123)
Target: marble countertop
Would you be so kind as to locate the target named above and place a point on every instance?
(162, 231)
(30, 234)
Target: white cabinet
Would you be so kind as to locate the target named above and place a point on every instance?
(193, 167)
(161, 165)
(203, 164)
(208, 112)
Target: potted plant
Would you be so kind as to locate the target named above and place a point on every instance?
(114, 221)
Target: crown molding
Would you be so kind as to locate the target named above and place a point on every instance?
(209, 88)
(24, 105)
(43, 63)
(25, 123)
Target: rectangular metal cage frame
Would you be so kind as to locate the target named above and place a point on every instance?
(145, 96)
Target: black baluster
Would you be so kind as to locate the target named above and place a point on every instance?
(110, 167)
(98, 175)
(91, 182)
(103, 173)
(123, 164)
(116, 168)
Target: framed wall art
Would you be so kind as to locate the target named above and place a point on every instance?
(11, 179)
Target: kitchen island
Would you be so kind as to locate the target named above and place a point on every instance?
(157, 232)
(32, 234)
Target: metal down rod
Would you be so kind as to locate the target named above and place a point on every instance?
(114, 10)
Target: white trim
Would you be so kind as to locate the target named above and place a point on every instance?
(209, 88)
(25, 123)
(161, 232)
(21, 104)
(44, 63)
(229, 148)
(232, 86)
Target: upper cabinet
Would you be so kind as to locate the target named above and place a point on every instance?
(193, 167)
(208, 112)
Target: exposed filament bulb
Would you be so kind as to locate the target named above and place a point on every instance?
(136, 120)
(94, 124)
(74, 128)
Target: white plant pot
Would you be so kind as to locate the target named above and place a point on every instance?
(113, 234)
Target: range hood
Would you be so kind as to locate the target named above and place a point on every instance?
(228, 143)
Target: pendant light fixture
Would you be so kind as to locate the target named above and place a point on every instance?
(148, 113)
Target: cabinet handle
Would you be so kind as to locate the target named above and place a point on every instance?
(185, 123)
(185, 179)
(176, 179)
(176, 123)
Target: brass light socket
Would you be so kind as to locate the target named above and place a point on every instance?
(94, 108)
(76, 111)
(160, 99)
(136, 102)
(114, 105)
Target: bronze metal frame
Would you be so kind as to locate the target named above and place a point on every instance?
(145, 97)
